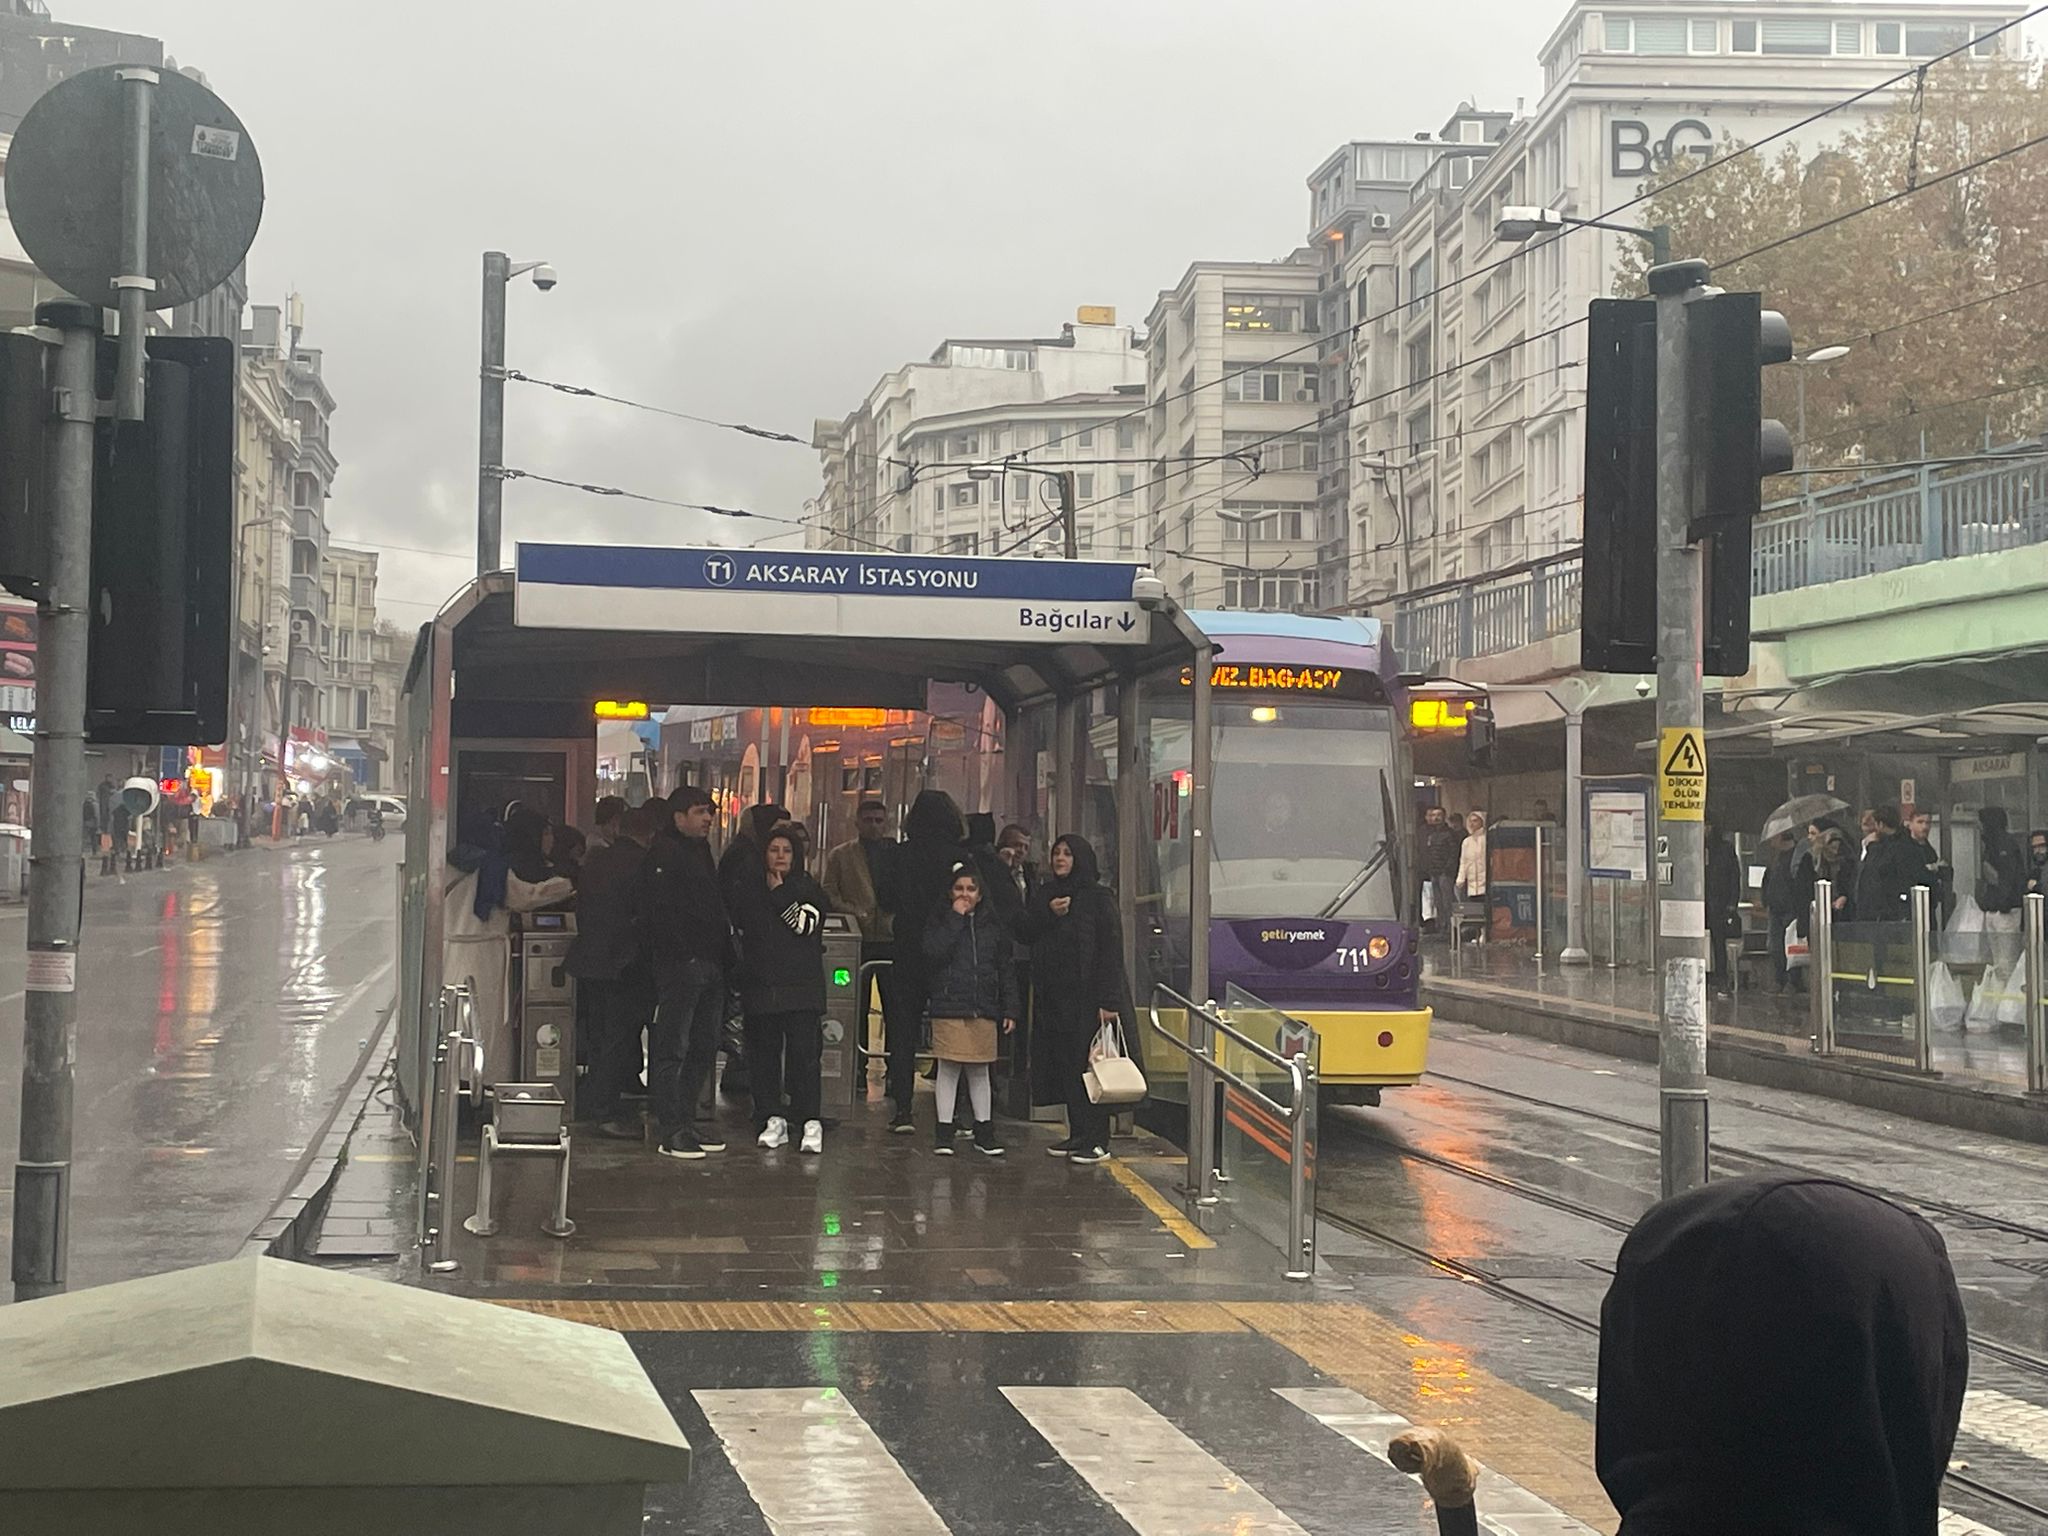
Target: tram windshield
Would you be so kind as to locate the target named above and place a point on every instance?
(1302, 811)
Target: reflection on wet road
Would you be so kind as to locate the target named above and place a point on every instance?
(222, 1007)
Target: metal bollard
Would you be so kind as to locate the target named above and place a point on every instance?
(1923, 966)
(1301, 1192)
(1820, 967)
(2037, 1025)
(1613, 925)
(447, 1085)
(1202, 1106)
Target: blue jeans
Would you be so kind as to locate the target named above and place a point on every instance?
(683, 1044)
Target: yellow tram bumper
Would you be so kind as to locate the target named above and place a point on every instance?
(1362, 1049)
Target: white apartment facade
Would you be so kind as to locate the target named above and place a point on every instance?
(897, 470)
(1465, 435)
(1235, 401)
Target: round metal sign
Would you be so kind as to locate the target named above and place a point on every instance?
(64, 186)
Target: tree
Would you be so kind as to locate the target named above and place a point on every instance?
(1941, 293)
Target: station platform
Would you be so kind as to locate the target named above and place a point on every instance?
(881, 1339)
(1754, 1035)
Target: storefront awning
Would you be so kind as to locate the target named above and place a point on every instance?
(1982, 725)
(14, 744)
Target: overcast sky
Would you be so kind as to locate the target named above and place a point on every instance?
(758, 208)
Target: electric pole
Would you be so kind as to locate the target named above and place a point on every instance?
(1068, 514)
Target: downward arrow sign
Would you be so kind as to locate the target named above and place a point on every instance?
(1127, 623)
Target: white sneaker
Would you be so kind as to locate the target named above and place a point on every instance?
(777, 1134)
(814, 1137)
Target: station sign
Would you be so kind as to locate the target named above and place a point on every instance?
(827, 593)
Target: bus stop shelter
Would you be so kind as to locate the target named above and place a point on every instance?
(499, 697)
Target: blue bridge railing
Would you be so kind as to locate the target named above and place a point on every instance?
(1863, 529)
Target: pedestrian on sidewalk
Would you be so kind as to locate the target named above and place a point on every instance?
(614, 981)
(476, 927)
(1439, 866)
(115, 849)
(1781, 902)
(919, 888)
(1889, 870)
(782, 984)
(972, 991)
(607, 819)
(1471, 882)
(689, 937)
(1077, 967)
(740, 870)
(1724, 905)
(1935, 872)
(856, 873)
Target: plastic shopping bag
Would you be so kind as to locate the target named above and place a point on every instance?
(1945, 1001)
(2002, 940)
(2012, 1004)
(1798, 952)
(1429, 901)
(1962, 941)
(1983, 1010)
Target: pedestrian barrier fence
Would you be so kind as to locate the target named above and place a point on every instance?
(2037, 1022)
(458, 1054)
(1232, 1118)
(1872, 983)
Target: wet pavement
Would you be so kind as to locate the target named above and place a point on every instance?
(224, 1006)
(1872, 1028)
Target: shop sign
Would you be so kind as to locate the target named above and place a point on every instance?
(1974, 770)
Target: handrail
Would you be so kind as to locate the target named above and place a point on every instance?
(1301, 1213)
(438, 1133)
(1217, 1021)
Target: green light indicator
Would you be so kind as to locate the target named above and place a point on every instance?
(829, 1279)
(842, 977)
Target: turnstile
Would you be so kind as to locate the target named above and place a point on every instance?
(839, 1061)
(544, 1019)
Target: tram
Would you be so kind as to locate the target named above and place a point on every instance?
(1312, 886)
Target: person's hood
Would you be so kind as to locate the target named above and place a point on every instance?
(761, 820)
(1087, 868)
(981, 830)
(1992, 819)
(796, 848)
(933, 818)
(1780, 1355)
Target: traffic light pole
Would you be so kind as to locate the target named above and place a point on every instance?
(42, 1175)
(1681, 856)
(490, 434)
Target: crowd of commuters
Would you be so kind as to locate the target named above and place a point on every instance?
(671, 942)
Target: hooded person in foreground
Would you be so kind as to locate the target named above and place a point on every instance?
(1780, 1355)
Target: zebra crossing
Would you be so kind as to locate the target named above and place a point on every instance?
(811, 1463)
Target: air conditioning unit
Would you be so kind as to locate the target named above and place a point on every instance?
(1304, 394)
(1381, 221)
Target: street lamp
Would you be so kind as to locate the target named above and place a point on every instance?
(1812, 359)
(1518, 224)
(490, 437)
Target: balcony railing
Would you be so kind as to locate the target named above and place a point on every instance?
(1876, 525)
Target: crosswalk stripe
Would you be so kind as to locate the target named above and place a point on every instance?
(1151, 1474)
(813, 1464)
(1503, 1506)
(2005, 1420)
(2021, 1419)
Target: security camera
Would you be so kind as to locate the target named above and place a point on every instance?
(1643, 687)
(1148, 592)
(543, 277)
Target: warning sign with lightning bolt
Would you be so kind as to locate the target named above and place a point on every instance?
(1682, 774)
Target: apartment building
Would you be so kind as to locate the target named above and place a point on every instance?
(1464, 418)
(907, 470)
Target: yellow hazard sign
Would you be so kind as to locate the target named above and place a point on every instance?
(1682, 774)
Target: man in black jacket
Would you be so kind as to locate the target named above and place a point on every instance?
(1438, 863)
(689, 937)
(609, 961)
(1889, 870)
(1781, 901)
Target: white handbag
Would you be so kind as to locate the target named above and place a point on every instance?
(1112, 1077)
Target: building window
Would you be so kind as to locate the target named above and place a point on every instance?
(938, 498)
(1126, 486)
(1085, 438)
(1268, 312)
(348, 591)
(1660, 34)
(1926, 38)
(1422, 278)
(1742, 37)
(1804, 35)
(1706, 36)
(966, 444)
(1020, 488)
(1054, 431)
(341, 644)
(966, 495)
(1418, 361)
(1084, 487)
(1257, 384)
(1126, 436)
(1848, 37)
(1419, 430)
(362, 709)
(1296, 450)
(1618, 35)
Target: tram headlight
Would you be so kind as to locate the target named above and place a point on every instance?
(1377, 947)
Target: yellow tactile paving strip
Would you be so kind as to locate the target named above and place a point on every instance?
(1546, 1449)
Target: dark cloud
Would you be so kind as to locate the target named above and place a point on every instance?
(757, 208)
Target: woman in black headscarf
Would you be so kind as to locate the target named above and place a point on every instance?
(917, 887)
(1077, 969)
(1780, 1355)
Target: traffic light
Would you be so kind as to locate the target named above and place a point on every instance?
(1479, 735)
(163, 561)
(1730, 339)
(1618, 571)
(24, 408)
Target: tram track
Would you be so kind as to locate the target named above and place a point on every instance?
(1494, 1285)
(2013, 1355)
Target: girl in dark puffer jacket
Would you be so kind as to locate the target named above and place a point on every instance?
(973, 986)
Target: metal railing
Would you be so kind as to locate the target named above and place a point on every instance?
(1204, 1072)
(2037, 1022)
(1822, 973)
(457, 1053)
(1881, 524)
